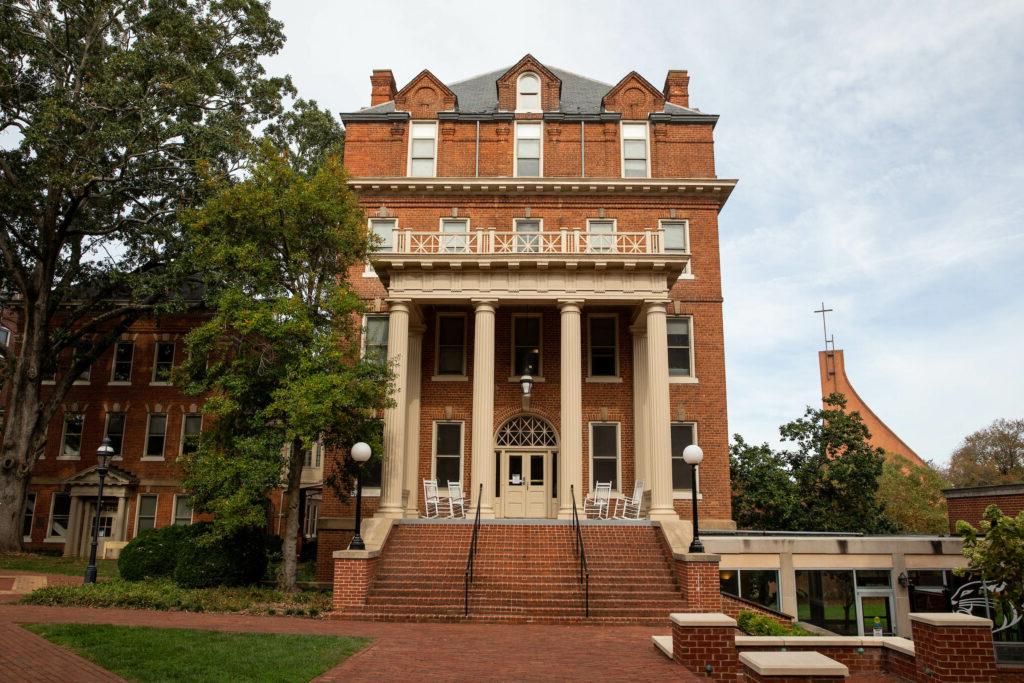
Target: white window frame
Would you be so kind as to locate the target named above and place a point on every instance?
(590, 235)
(464, 375)
(138, 510)
(540, 93)
(618, 451)
(49, 519)
(181, 440)
(609, 379)
(515, 148)
(156, 351)
(362, 337)
(539, 376)
(113, 364)
(685, 494)
(443, 486)
(412, 125)
(63, 436)
(106, 427)
(32, 516)
(623, 125)
(445, 242)
(515, 230)
(145, 447)
(86, 376)
(368, 271)
(174, 510)
(692, 377)
(6, 333)
(687, 273)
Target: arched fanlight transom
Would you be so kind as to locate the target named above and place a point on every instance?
(527, 431)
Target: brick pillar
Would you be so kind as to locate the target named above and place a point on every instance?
(953, 647)
(353, 574)
(697, 574)
(706, 645)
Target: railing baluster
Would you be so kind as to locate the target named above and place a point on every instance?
(564, 241)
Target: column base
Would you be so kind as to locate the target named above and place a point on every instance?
(567, 514)
(663, 514)
(390, 513)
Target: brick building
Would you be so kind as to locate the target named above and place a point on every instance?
(969, 503)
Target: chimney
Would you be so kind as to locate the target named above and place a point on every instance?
(383, 86)
(677, 88)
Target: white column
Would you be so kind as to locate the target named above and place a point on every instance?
(570, 455)
(483, 406)
(412, 422)
(659, 440)
(394, 417)
(641, 456)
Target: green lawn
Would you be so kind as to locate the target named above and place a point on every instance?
(168, 654)
(55, 564)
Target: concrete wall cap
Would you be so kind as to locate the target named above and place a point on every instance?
(696, 557)
(356, 554)
(899, 644)
(831, 641)
(792, 664)
(702, 619)
(949, 619)
(663, 644)
(760, 641)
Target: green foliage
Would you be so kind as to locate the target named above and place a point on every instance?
(165, 595)
(238, 559)
(995, 551)
(912, 495)
(154, 553)
(990, 456)
(171, 654)
(755, 624)
(826, 481)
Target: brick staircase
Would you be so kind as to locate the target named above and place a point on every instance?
(523, 573)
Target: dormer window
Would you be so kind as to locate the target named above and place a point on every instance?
(528, 93)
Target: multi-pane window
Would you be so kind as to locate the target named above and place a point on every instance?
(163, 361)
(634, 150)
(528, 149)
(122, 371)
(600, 236)
(526, 338)
(191, 428)
(680, 347)
(156, 435)
(71, 442)
(29, 516)
(147, 513)
(375, 337)
(528, 93)
(383, 230)
(182, 511)
(453, 235)
(451, 344)
(604, 453)
(60, 514)
(447, 452)
(603, 343)
(5, 336)
(311, 456)
(422, 149)
(527, 235)
(86, 374)
(115, 431)
(675, 237)
(682, 474)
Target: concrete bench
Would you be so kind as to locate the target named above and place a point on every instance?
(791, 666)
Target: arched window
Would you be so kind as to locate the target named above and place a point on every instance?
(528, 93)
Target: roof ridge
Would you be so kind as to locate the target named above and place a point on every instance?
(479, 75)
(586, 78)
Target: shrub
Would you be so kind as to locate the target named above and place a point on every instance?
(237, 560)
(755, 624)
(153, 553)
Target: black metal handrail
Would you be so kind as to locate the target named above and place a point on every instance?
(581, 552)
(472, 549)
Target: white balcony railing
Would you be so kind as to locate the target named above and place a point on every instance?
(511, 242)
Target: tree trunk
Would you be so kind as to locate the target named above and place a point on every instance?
(289, 564)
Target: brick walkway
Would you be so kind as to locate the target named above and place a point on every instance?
(484, 652)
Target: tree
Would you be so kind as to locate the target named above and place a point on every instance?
(912, 495)
(108, 109)
(279, 358)
(995, 551)
(989, 456)
(826, 481)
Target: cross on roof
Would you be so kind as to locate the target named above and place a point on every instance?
(824, 326)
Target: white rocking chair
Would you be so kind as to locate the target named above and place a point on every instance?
(595, 505)
(629, 508)
(457, 502)
(431, 500)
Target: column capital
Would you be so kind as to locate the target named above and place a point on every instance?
(417, 329)
(638, 329)
(399, 304)
(570, 305)
(657, 303)
(484, 304)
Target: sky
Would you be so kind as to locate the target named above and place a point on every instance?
(879, 149)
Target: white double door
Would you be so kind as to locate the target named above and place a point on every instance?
(527, 484)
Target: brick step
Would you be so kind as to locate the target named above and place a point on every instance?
(595, 586)
(478, 617)
(653, 577)
(573, 610)
(667, 603)
(486, 561)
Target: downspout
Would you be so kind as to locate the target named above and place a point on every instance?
(478, 148)
(583, 151)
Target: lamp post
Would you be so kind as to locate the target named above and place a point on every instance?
(692, 456)
(360, 452)
(103, 454)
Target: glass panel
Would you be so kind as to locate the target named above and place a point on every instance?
(679, 346)
(157, 431)
(384, 230)
(682, 474)
(635, 168)
(729, 581)
(60, 514)
(528, 83)
(760, 586)
(537, 470)
(424, 130)
(497, 474)
(147, 513)
(675, 236)
(873, 578)
(182, 511)
(164, 362)
(453, 238)
(605, 442)
(605, 470)
(527, 226)
(451, 340)
(515, 470)
(446, 470)
(876, 614)
(422, 168)
(30, 508)
(449, 439)
(72, 446)
(449, 361)
(634, 131)
(115, 431)
(528, 149)
(423, 149)
(528, 131)
(826, 599)
(554, 475)
(376, 337)
(529, 167)
(193, 427)
(679, 362)
(123, 361)
(635, 149)
(527, 346)
(529, 102)
(372, 473)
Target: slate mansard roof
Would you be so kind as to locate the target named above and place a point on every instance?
(581, 97)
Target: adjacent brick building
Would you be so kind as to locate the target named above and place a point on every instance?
(969, 504)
